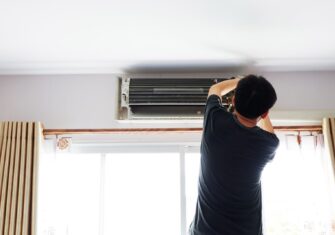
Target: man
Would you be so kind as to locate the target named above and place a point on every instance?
(234, 151)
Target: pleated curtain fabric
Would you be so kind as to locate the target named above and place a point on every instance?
(19, 149)
(328, 128)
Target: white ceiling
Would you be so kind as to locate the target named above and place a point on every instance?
(70, 36)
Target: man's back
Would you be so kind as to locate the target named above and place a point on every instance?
(232, 159)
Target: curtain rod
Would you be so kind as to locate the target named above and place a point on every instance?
(317, 128)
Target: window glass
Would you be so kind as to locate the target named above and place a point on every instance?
(68, 194)
(192, 167)
(296, 198)
(142, 194)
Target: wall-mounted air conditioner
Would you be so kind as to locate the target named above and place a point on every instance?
(165, 98)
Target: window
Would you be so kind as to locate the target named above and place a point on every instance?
(131, 192)
(296, 195)
(152, 189)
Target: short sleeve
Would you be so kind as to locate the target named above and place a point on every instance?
(213, 101)
(213, 109)
(275, 143)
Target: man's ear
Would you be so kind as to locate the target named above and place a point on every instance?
(233, 100)
(265, 114)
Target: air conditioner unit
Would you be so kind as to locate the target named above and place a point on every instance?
(165, 98)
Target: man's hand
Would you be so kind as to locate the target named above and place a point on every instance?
(224, 87)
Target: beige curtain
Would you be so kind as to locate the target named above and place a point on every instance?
(328, 127)
(19, 150)
(329, 136)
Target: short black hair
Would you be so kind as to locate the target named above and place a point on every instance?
(254, 96)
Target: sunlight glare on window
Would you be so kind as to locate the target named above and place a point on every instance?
(142, 194)
(68, 199)
(295, 195)
(192, 167)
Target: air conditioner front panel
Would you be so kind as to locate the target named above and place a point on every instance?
(164, 98)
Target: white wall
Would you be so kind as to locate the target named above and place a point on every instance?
(90, 101)
(304, 90)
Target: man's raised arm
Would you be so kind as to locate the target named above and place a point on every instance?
(265, 124)
(224, 87)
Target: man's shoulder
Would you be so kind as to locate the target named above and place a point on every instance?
(270, 137)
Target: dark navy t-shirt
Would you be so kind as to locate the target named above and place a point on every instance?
(232, 159)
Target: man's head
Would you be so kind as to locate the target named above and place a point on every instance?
(254, 96)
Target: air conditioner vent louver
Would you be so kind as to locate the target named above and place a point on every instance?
(169, 91)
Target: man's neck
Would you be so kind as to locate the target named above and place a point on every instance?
(246, 121)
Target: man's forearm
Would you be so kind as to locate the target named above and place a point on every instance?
(266, 124)
(224, 87)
